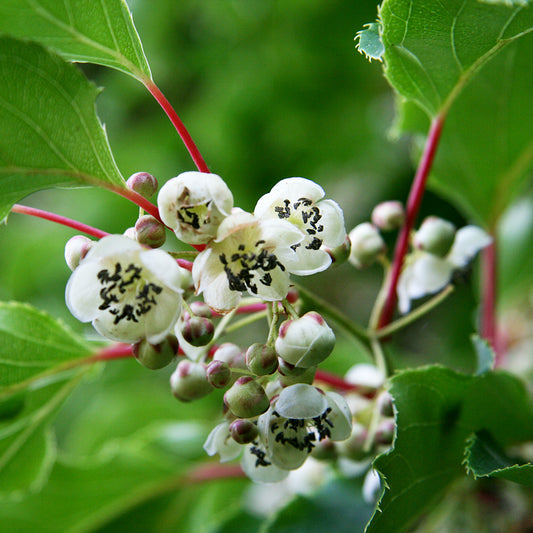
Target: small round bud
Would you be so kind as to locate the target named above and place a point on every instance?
(261, 359)
(246, 398)
(385, 404)
(150, 231)
(367, 245)
(155, 356)
(231, 354)
(306, 341)
(388, 216)
(341, 253)
(435, 236)
(218, 374)
(354, 446)
(197, 330)
(76, 249)
(198, 308)
(189, 381)
(243, 431)
(142, 183)
(286, 369)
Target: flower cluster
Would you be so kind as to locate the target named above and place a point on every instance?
(134, 292)
(438, 250)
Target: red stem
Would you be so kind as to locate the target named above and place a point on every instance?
(489, 279)
(116, 351)
(211, 471)
(178, 124)
(339, 383)
(137, 199)
(53, 217)
(413, 205)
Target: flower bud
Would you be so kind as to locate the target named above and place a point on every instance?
(149, 231)
(198, 308)
(218, 374)
(155, 356)
(306, 341)
(189, 381)
(197, 330)
(341, 253)
(388, 216)
(261, 359)
(385, 404)
(435, 236)
(246, 398)
(354, 446)
(76, 249)
(243, 431)
(288, 370)
(367, 245)
(231, 354)
(142, 183)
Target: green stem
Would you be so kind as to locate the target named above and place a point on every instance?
(417, 313)
(273, 319)
(336, 316)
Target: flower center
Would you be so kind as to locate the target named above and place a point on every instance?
(125, 294)
(304, 214)
(244, 266)
(195, 215)
(301, 433)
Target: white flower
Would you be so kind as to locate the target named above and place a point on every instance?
(300, 202)
(425, 273)
(248, 255)
(129, 293)
(299, 417)
(220, 442)
(194, 204)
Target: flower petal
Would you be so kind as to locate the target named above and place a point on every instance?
(81, 298)
(468, 242)
(301, 401)
(257, 471)
(220, 442)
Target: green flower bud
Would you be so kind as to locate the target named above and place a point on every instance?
(197, 330)
(246, 398)
(388, 216)
(218, 374)
(231, 354)
(435, 236)
(307, 377)
(155, 356)
(142, 183)
(243, 431)
(306, 341)
(189, 381)
(198, 308)
(150, 231)
(261, 359)
(367, 245)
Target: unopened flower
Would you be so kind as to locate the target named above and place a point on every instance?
(388, 216)
(435, 236)
(194, 204)
(367, 245)
(129, 293)
(425, 273)
(76, 249)
(248, 255)
(300, 202)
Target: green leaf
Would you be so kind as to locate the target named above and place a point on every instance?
(440, 62)
(437, 410)
(90, 31)
(27, 447)
(337, 507)
(32, 343)
(485, 458)
(50, 135)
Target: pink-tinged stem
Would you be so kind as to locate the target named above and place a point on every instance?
(178, 124)
(137, 199)
(53, 217)
(183, 263)
(116, 351)
(338, 383)
(413, 205)
(489, 280)
(211, 471)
